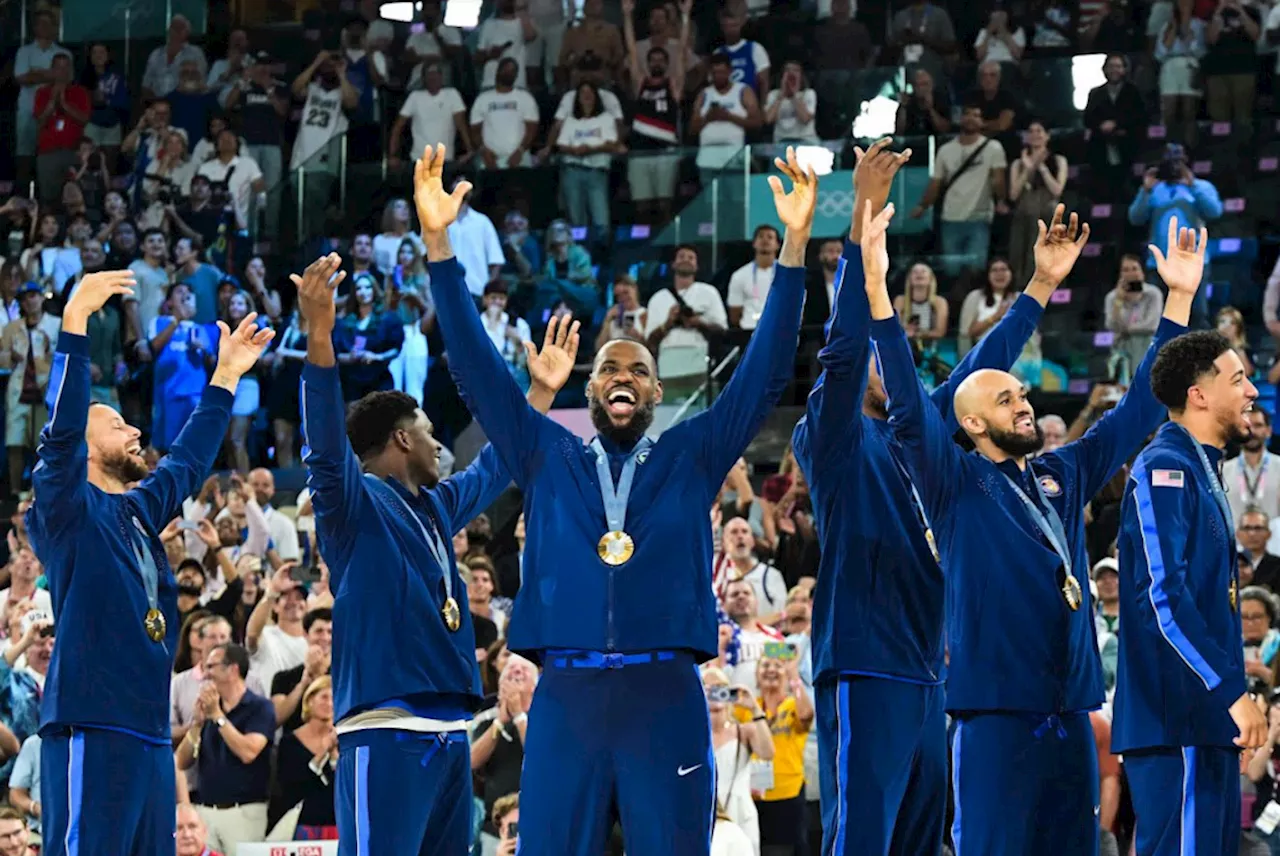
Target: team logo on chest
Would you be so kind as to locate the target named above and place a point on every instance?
(1050, 486)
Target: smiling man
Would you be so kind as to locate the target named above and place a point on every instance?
(106, 762)
(385, 520)
(1010, 534)
(1182, 711)
(617, 602)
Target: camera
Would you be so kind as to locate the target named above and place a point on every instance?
(723, 695)
(589, 61)
(1134, 285)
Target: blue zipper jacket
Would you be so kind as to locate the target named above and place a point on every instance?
(1181, 662)
(878, 608)
(661, 599)
(1014, 644)
(105, 671)
(388, 587)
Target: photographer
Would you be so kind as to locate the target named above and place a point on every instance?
(736, 739)
(1169, 190)
(1133, 310)
(506, 817)
(682, 320)
(592, 50)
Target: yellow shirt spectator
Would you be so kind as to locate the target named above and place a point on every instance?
(789, 735)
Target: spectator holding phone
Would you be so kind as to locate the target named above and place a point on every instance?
(739, 733)
(506, 817)
(497, 749)
(1134, 308)
(626, 317)
(289, 685)
(788, 711)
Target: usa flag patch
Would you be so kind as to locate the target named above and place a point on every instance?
(1167, 478)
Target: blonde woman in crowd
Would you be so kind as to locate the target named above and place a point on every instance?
(306, 762)
(1230, 323)
(788, 712)
(924, 314)
(737, 743)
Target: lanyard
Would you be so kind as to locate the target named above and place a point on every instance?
(919, 506)
(1050, 524)
(435, 544)
(146, 560)
(616, 497)
(1215, 484)
(1252, 492)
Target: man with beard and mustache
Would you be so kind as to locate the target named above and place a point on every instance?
(1182, 708)
(384, 521)
(1252, 478)
(617, 602)
(106, 761)
(878, 609)
(1024, 667)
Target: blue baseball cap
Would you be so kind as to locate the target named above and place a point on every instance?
(30, 288)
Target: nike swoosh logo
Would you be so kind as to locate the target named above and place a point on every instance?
(684, 771)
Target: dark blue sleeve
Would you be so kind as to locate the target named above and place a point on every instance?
(1158, 517)
(763, 374)
(263, 720)
(466, 494)
(60, 477)
(120, 94)
(933, 457)
(484, 382)
(334, 473)
(392, 333)
(831, 424)
(190, 459)
(1119, 434)
(999, 349)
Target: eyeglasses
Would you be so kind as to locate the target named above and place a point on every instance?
(1253, 616)
(1255, 528)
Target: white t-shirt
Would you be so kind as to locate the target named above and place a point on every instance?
(240, 174)
(720, 141)
(750, 652)
(969, 197)
(426, 44)
(500, 31)
(612, 106)
(283, 534)
(592, 131)
(788, 127)
(998, 51)
(748, 288)
(277, 651)
(30, 57)
(322, 119)
(728, 839)
(497, 329)
(431, 118)
(501, 117)
(681, 345)
(770, 588)
(40, 600)
(475, 242)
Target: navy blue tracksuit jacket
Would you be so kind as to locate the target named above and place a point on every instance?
(878, 608)
(1014, 644)
(1181, 660)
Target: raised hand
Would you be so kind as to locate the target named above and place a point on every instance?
(875, 246)
(436, 208)
(1058, 246)
(316, 288)
(550, 369)
(795, 209)
(238, 351)
(1182, 265)
(874, 172)
(95, 289)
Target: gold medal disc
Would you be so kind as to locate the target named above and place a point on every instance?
(933, 545)
(1072, 593)
(452, 615)
(615, 548)
(155, 625)
(1233, 595)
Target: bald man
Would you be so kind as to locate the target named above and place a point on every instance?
(617, 602)
(1024, 667)
(282, 531)
(878, 609)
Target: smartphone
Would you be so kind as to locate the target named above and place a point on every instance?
(779, 650)
(188, 525)
(513, 829)
(305, 574)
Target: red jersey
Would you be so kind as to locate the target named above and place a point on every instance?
(61, 132)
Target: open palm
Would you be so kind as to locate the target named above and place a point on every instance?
(1058, 246)
(238, 351)
(875, 244)
(437, 209)
(1182, 265)
(795, 209)
(559, 355)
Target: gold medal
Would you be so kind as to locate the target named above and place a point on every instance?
(452, 615)
(933, 545)
(1233, 594)
(1071, 592)
(615, 548)
(155, 625)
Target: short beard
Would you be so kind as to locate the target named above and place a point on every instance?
(1235, 435)
(625, 436)
(124, 468)
(1012, 443)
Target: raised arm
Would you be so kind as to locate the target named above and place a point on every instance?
(1057, 248)
(484, 382)
(474, 489)
(933, 458)
(61, 473)
(768, 365)
(1119, 434)
(832, 424)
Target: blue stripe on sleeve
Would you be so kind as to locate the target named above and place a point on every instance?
(75, 793)
(362, 801)
(1156, 572)
(1187, 827)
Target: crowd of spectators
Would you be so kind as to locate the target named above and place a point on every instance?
(189, 175)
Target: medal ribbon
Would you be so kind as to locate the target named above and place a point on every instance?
(1050, 525)
(435, 543)
(616, 497)
(1215, 485)
(919, 506)
(146, 562)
